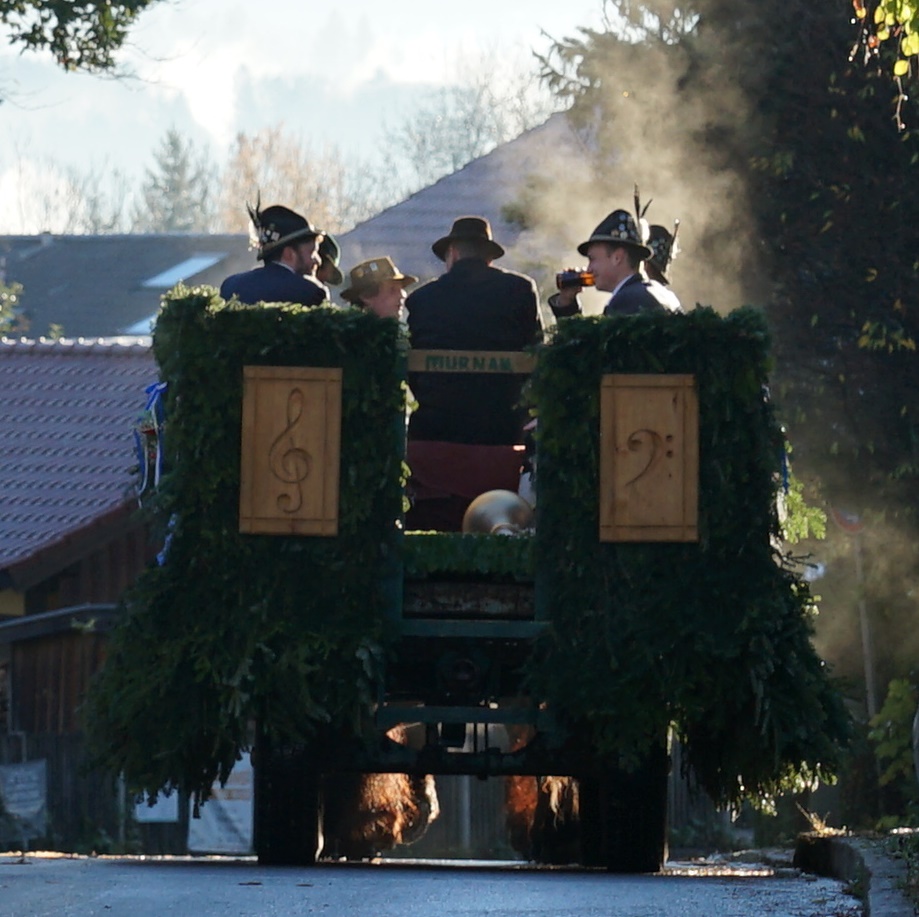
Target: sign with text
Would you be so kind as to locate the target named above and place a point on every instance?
(291, 445)
(24, 795)
(470, 361)
(649, 458)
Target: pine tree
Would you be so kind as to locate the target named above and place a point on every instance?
(12, 320)
(177, 191)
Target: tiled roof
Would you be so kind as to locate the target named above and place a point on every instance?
(484, 187)
(93, 286)
(66, 449)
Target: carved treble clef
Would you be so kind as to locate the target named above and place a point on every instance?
(288, 462)
(651, 443)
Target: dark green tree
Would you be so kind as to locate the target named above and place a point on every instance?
(177, 194)
(12, 320)
(822, 177)
(793, 179)
(81, 34)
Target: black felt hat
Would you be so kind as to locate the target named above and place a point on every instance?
(277, 226)
(619, 228)
(469, 229)
(663, 247)
(330, 252)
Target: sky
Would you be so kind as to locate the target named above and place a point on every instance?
(338, 74)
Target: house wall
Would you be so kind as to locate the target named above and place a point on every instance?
(99, 577)
(84, 810)
(12, 603)
(49, 677)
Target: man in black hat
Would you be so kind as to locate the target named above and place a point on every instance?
(473, 306)
(614, 254)
(664, 249)
(287, 244)
(329, 273)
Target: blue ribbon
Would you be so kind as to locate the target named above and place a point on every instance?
(158, 412)
(155, 410)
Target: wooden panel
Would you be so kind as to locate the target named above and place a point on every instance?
(649, 458)
(470, 361)
(49, 678)
(291, 444)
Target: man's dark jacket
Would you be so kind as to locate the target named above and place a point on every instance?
(633, 297)
(273, 283)
(472, 307)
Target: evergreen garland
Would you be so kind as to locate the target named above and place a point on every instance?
(713, 637)
(234, 628)
(448, 553)
(290, 632)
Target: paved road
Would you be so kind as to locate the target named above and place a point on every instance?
(126, 887)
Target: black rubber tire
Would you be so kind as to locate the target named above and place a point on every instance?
(288, 809)
(624, 815)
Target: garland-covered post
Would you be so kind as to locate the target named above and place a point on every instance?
(712, 636)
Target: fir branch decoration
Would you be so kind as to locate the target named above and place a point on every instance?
(712, 637)
(234, 628)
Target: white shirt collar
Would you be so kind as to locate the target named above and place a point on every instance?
(621, 284)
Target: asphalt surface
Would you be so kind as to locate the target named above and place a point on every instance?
(56, 886)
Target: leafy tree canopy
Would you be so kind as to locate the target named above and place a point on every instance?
(81, 34)
(896, 21)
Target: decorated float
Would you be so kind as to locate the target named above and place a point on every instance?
(292, 616)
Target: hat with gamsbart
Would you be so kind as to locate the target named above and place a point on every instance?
(330, 252)
(618, 228)
(277, 226)
(373, 271)
(469, 229)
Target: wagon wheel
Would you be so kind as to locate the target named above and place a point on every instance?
(624, 815)
(288, 809)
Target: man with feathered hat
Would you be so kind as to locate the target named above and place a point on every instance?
(614, 252)
(664, 249)
(288, 245)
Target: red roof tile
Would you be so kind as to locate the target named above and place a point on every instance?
(67, 410)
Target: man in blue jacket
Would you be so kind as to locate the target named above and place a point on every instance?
(288, 245)
(614, 254)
